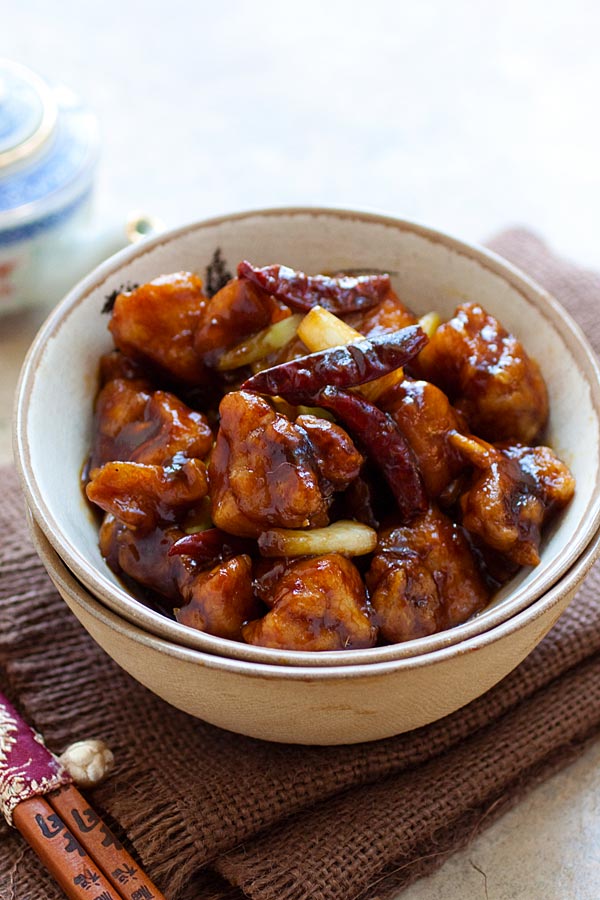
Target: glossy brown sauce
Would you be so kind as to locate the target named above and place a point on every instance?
(178, 447)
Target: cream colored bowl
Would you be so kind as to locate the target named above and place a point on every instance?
(430, 271)
(318, 705)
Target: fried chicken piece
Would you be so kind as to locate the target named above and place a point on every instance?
(135, 424)
(141, 496)
(266, 573)
(555, 482)
(515, 489)
(156, 323)
(487, 375)
(425, 417)
(116, 365)
(220, 601)
(317, 604)
(144, 556)
(424, 578)
(237, 311)
(337, 458)
(389, 315)
(264, 470)
(120, 407)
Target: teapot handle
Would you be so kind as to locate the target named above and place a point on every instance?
(96, 245)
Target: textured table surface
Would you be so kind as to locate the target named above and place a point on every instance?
(465, 119)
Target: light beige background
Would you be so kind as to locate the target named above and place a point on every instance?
(463, 116)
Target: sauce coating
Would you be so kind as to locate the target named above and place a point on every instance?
(437, 467)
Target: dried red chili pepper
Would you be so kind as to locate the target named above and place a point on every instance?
(384, 443)
(211, 545)
(343, 294)
(343, 366)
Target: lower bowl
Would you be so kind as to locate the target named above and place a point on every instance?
(329, 705)
(429, 270)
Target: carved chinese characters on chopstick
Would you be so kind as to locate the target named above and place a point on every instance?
(297, 461)
(37, 797)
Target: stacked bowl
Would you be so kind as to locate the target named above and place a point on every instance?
(301, 697)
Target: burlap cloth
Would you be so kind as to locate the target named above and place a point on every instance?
(212, 814)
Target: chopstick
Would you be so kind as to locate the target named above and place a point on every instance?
(80, 850)
(60, 852)
(38, 797)
(125, 875)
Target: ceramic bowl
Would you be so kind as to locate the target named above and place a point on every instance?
(430, 271)
(316, 705)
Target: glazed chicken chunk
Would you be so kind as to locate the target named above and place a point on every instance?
(338, 460)
(218, 601)
(515, 489)
(144, 556)
(389, 315)
(424, 415)
(156, 322)
(424, 578)
(264, 470)
(115, 364)
(316, 604)
(329, 425)
(141, 496)
(144, 467)
(238, 310)
(488, 376)
(136, 424)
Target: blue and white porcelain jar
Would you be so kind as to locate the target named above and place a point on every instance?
(48, 156)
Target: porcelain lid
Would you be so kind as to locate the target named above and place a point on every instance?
(27, 113)
(48, 144)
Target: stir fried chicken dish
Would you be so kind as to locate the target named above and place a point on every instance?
(299, 462)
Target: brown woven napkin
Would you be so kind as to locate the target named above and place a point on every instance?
(213, 814)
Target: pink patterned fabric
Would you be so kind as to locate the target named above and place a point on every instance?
(27, 768)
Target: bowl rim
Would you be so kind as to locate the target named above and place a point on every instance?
(61, 575)
(123, 603)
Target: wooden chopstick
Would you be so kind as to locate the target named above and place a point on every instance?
(80, 850)
(118, 866)
(69, 837)
(60, 852)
